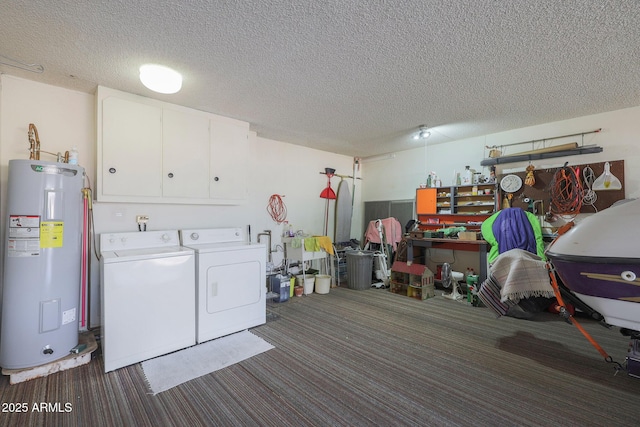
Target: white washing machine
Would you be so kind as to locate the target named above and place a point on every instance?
(148, 296)
(230, 281)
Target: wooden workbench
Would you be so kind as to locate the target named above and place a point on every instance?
(480, 246)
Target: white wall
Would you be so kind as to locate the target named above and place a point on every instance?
(397, 178)
(65, 118)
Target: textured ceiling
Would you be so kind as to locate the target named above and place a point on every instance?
(348, 76)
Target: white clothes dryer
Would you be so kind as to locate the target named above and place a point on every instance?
(230, 281)
(148, 296)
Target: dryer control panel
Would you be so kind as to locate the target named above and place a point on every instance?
(211, 235)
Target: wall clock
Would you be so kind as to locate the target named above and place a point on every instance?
(511, 183)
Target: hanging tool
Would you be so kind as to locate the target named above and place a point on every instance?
(607, 181)
(529, 201)
(328, 194)
(277, 209)
(506, 201)
(530, 180)
(566, 191)
(589, 196)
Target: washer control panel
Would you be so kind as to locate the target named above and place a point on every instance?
(138, 240)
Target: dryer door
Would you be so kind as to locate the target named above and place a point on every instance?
(233, 285)
(231, 291)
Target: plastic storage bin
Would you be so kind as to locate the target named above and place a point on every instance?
(280, 285)
(359, 269)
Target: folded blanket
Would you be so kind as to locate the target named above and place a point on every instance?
(521, 274)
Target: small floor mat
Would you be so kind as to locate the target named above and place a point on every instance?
(165, 372)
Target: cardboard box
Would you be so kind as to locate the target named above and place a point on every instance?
(468, 235)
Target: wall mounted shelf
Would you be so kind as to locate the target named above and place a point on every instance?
(589, 149)
(544, 153)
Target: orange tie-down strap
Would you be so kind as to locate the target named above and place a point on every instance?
(569, 317)
(563, 229)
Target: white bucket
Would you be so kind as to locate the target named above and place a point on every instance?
(309, 281)
(323, 283)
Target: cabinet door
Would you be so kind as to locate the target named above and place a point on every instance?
(185, 152)
(425, 201)
(131, 148)
(229, 153)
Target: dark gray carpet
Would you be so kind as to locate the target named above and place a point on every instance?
(367, 358)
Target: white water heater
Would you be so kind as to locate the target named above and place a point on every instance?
(42, 258)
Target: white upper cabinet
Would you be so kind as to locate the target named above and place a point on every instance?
(131, 149)
(154, 152)
(228, 178)
(185, 152)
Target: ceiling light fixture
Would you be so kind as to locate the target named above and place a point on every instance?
(423, 133)
(160, 79)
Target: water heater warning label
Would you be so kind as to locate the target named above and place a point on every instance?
(24, 236)
(68, 316)
(51, 234)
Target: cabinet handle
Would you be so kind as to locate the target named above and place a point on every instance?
(170, 175)
(216, 179)
(112, 170)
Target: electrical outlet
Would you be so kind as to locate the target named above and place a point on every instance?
(142, 219)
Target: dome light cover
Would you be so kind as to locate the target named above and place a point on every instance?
(160, 79)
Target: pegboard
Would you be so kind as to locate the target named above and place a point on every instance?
(544, 177)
